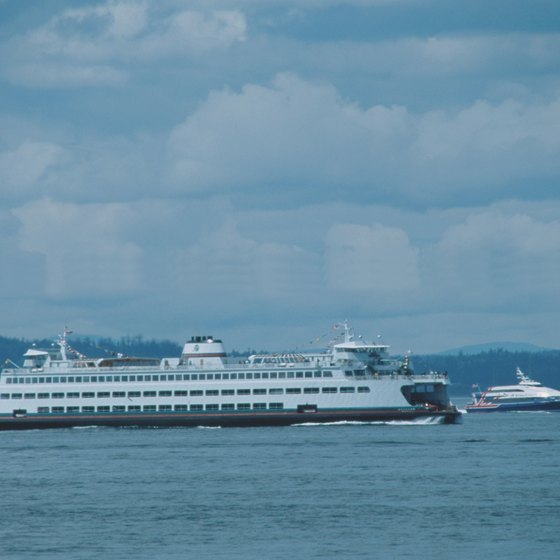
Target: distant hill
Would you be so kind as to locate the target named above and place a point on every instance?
(489, 346)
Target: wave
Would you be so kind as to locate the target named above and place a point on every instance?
(427, 421)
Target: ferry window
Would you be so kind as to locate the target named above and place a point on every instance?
(249, 376)
(88, 408)
(299, 374)
(119, 394)
(276, 391)
(217, 376)
(233, 376)
(57, 409)
(78, 379)
(73, 395)
(103, 395)
(88, 395)
(293, 391)
(212, 392)
(194, 377)
(124, 378)
(282, 375)
(28, 379)
(181, 407)
(93, 379)
(259, 406)
(42, 409)
(228, 392)
(241, 376)
(150, 393)
(228, 407)
(202, 376)
(5, 396)
(70, 380)
(363, 390)
(43, 396)
(109, 378)
(308, 374)
(155, 378)
(72, 409)
(212, 407)
(225, 375)
(58, 395)
(317, 374)
(119, 408)
(134, 408)
(243, 406)
(117, 377)
(311, 390)
(197, 407)
(186, 377)
(347, 389)
(273, 375)
(329, 389)
(139, 378)
(243, 391)
(348, 373)
(147, 377)
(41, 379)
(9, 380)
(86, 379)
(327, 374)
(257, 375)
(265, 375)
(259, 391)
(103, 409)
(290, 375)
(165, 393)
(276, 405)
(181, 393)
(359, 372)
(134, 394)
(34, 380)
(131, 378)
(49, 379)
(196, 393)
(149, 408)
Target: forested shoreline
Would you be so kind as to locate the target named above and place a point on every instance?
(494, 367)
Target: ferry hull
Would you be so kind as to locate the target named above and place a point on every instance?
(169, 420)
(528, 407)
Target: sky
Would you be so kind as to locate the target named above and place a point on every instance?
(263, 170)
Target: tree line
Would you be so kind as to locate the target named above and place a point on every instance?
(494, 367)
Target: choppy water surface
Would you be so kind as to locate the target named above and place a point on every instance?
(488, 487)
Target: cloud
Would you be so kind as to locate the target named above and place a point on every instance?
(26, 168)
(495, 261)
(95, 45)
(298, 135)
(373, 261)
(84, 252)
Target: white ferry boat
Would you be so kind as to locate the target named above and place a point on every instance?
(352, 381)
(527, 395)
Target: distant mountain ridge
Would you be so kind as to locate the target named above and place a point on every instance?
(493, 346)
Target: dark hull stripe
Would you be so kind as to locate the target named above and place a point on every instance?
(533, 407)
(163, 420)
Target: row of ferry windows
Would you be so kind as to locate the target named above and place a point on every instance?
(163, 408)
(197, 393)
(170, 377)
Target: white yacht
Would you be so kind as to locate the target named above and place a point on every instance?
(351, 381)
(526, 395)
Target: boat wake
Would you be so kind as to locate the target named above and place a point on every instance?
(428, 421)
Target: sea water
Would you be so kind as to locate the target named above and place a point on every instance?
(489, 487)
